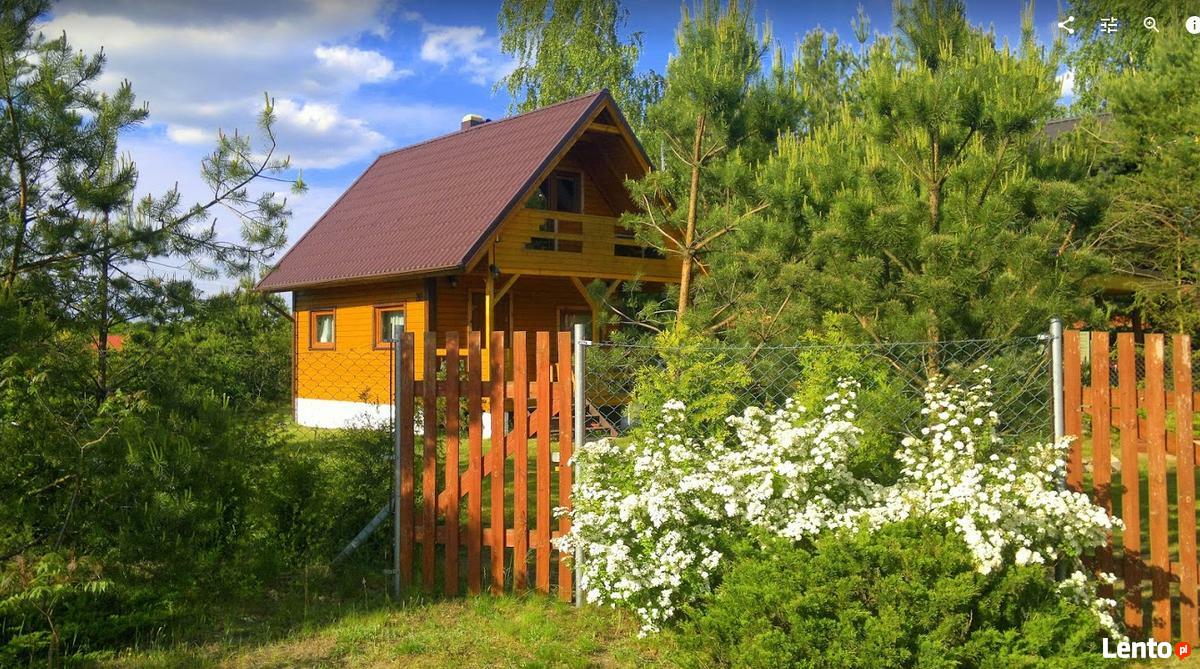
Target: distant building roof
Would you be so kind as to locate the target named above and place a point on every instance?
(1064, 125)
(116, 342)
(428, 207)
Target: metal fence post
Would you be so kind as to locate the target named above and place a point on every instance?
(580, 407)
(396, 474)
(1056, 372)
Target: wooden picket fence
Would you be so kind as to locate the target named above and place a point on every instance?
(445, 517)
(1139, 431)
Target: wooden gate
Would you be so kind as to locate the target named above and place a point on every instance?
(466, 512)
(1135, 452)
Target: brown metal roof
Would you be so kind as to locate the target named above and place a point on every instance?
(428, 207)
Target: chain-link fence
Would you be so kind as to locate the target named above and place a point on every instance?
(892, 378)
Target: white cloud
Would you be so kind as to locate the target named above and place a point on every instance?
(1067, 82)
(328, 137)
(204, 67)
(365, 66)
(476, 55)
(186, 134)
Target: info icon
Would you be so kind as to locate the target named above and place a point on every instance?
(1193, 25)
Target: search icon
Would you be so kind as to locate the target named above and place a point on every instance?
(1150, 23)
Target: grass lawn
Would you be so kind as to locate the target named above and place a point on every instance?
(344, 620)
(515, 631)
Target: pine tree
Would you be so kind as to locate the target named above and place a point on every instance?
(721, 114)
(1150, 172)
(71, 235)
(933, 210)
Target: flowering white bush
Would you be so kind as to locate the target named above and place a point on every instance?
(655, 515)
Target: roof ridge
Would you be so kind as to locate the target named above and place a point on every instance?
(459, 132)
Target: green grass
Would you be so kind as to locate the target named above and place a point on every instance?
(328, 630)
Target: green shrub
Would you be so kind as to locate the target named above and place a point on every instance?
(697, 371)
(904, 596)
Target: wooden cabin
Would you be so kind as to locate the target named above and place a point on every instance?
(499, 226)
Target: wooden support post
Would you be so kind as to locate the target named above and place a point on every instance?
(489, 304)
(404, 461)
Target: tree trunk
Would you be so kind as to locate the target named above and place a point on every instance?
(689, 235)
(102, 289)
(935, 206)
(933, 363)
(935, 181)
(14, 262)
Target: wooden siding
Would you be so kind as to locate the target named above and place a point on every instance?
(596, 260)
(354, 370)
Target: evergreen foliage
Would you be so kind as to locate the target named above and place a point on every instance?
(933, 209)
(1148, 171)
(905, 596)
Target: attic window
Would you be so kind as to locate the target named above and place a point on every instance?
(561, 191)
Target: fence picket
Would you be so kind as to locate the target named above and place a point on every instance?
(1101, 413)
(407, 483)
(429, 417)
(452, 461)
(542, 515)
(520, 442)
(496, 455)
(1156, 422)
(1072, 400)
(1181, 362)
(475, 464)
(1131, 536)
(565, 438)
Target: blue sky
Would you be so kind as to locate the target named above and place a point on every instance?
(353, 78)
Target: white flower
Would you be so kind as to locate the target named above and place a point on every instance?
(652, 511)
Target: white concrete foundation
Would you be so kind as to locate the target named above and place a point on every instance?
(340, 414)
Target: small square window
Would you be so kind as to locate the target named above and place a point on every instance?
(389, 326)
(321, 329)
